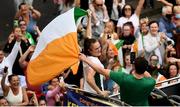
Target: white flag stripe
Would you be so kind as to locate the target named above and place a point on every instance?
(53, 31)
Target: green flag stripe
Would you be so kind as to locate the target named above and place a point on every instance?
(119, 44)
(78, 12)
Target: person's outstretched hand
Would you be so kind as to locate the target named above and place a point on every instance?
(82, 57)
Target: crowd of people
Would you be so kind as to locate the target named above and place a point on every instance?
(120, 51)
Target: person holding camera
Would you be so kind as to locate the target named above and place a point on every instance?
(156, 70)
(10, 59)
(29, 15)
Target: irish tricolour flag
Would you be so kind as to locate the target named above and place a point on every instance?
(57, 48)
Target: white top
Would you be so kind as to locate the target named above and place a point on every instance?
(134, 19)
(9, 61)
(151, 44)
(14, 99)
(87, 87)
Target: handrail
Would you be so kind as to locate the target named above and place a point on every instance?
(160, 92)
(174, 102)
(113, 95)
(99, 96)
(168, 80)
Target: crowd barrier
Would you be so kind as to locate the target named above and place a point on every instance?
(78, 97)
(168, 95)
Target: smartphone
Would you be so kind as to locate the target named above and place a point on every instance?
(169, 42)
(5, 69)
(132, 57)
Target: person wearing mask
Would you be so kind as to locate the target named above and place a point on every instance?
(130, 93)
(165, 22)
(176, 20)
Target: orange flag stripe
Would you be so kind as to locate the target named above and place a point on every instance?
(53, 60)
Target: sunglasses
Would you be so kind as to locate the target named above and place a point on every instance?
(99, 5)
(127, 8)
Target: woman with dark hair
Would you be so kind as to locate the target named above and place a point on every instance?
(93, 82)
(172, 70)
(15, 95)
(127, 36)
(55, 92)
(129, 14)
(127, 63)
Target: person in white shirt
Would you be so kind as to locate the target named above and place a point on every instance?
(129, 15)
(9, 60)
(93, 82)
(154, 42)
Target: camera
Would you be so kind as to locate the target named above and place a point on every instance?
(5, 69)
(132, 57)
(169, 42)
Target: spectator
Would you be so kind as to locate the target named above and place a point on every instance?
(176, 37)
(42, 102)
(172, 71)
(140, 33)
(114, 9)
(93, 82)
(99, 16)
(154, 42)
(111, 63)
(171, 54)
(17, 33)
(109, 32)
(127, 63)
(155, 69)
(129, 92)
(127, 36)
(29, 15)
(32, 98)
(165, 22)
(26, 34)
(15, 95)
(144, 25)
(128, 14)
(3, 101)
(18, 2)
(9, 60)
(54, 92)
